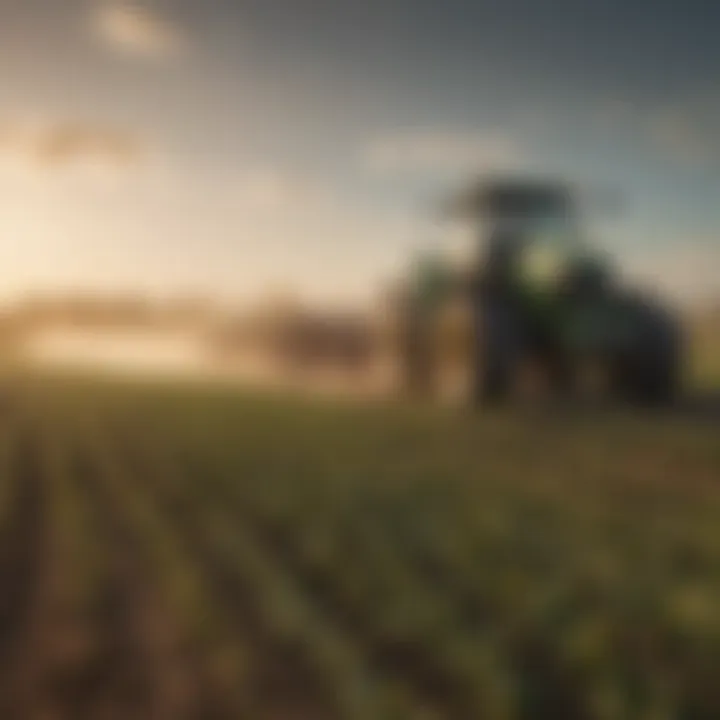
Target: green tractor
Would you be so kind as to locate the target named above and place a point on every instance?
(541, 298)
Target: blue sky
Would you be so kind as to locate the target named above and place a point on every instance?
(238, 145)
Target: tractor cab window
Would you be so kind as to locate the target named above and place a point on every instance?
(550, 244)
(553, 233)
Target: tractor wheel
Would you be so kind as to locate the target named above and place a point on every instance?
(498, 344)
(657, 383)
(561, 375)
(493, 383)
(650, 371)
(650, 377)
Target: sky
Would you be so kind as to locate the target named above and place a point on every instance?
(235, 147)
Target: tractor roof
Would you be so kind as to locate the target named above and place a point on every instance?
(513, 197)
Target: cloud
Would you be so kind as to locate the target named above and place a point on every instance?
(441, 152)
(686, 272)
(613, 113)
(675, 134)
(131, 28)
(60, 144)
(268, 189)
(65, 144)
(285, 209)
(680, 134)
(312, 236)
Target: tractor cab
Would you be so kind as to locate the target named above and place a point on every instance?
(529, 239)
(512, 217)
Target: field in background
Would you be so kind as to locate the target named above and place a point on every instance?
(170, 552)
(328, 356)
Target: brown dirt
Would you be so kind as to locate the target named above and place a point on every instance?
(24, 579)
(143, 670)
(281, 685)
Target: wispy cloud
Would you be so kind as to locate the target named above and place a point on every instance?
(677, 135)
(686, 271)
(441, 151)
(267, 189)
(133, 28)
(313, 237)
(59, 144)
(613, 113)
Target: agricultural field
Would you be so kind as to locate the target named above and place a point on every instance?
(176, 552)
